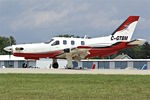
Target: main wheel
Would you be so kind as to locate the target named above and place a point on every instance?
(55, 65)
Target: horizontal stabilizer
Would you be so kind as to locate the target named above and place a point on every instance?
(137, 42)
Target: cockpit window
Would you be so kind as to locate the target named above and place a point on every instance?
(55, 43)
(49, 41)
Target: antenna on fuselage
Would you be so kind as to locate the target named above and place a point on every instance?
(85, 36)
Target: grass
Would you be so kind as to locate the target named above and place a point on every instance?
(74, 87)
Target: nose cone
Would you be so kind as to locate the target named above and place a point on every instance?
(8, 49)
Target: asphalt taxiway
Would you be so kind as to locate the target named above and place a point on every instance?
(73, 71)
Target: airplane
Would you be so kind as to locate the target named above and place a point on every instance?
(80, 48)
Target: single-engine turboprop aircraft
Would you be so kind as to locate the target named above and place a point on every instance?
(80, 48)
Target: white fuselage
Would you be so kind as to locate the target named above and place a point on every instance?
(49, 47)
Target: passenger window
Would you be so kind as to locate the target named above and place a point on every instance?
(55, 43)
(64, 42)
(72, 42)
(82, 43)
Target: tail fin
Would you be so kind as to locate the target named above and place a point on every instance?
(125, 31)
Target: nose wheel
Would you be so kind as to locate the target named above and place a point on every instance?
(55, 64)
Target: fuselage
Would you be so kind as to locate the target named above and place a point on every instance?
(57, 45)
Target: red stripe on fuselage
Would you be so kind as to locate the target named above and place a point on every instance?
(102, 52)
(39, 55)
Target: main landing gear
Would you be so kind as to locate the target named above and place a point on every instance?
(69, 62)
(55, 64)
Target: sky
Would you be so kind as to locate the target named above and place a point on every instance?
(40, 20)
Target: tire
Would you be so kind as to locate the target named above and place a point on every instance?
(55, 65)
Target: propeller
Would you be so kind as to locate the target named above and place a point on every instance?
(10, 44)
(9, 48)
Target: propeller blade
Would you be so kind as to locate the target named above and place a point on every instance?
(9, 55)
(10, 43)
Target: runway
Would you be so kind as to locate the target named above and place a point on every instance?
(71, 71)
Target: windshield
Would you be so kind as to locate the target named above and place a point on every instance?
(55, 43)
(49, 41)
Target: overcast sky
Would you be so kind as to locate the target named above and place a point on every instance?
(40, 20)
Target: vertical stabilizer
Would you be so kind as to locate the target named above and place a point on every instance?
(125, 31)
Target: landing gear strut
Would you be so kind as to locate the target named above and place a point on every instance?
(69, 61)
(55, 64)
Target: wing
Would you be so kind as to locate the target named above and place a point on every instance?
(77, 53)
(82, 52)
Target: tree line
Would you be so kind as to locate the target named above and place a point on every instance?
(137, 52)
